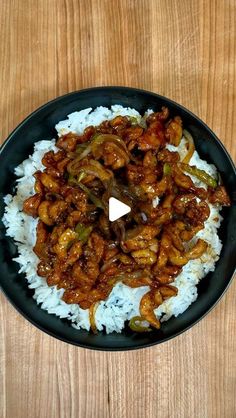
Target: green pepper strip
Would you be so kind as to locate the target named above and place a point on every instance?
(83, 232)
(96, 169)
(98, 203)
(72, 180)
(136, 324)
(166, 169)
(133, 120)
(81, 147)
(200, 174)
(97, 140)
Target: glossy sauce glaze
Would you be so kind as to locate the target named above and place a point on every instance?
(85, 254)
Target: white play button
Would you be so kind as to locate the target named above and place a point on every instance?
(117, 209)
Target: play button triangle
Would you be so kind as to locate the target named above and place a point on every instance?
(117, 209)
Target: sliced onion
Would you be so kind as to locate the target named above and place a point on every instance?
(85, 152)
(109, 262)
(93, 168)
(102, 138)
(97, 202)
(98, 140)
(190, 147)
(134, 275)
(92, 312)
(118, 227)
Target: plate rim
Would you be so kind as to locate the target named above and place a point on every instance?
(158, 97)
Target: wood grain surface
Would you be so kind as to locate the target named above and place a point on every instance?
(184, 49)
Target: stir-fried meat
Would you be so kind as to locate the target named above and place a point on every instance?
(139, 174)
(41, 248)
(174, 131)
(81, 251)
(162, 115)
(139, 237)
(219, 196)
(194, 212)
(31, 205)
(168, 156)
(153, 138)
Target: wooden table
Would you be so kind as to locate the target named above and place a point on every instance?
(184, 49)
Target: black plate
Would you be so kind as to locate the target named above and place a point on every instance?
(40, 125)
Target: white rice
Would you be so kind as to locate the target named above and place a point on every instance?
(123, 302)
